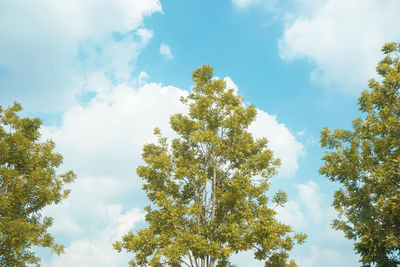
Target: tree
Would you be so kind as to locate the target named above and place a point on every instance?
(28, 183)
(208, 187)
(366, 162)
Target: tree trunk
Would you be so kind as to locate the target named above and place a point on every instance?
(203, 261)
(214, 203)
(214, 185)
(212, 260)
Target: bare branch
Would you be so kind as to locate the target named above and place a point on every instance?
(185, 263)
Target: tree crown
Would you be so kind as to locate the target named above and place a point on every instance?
(208, 186)
(28, 183)
(366, 162)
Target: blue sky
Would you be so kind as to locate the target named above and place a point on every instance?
(102, 74)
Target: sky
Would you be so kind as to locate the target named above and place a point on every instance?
(103, 74)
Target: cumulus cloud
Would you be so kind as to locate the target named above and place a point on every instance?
(311, 197)
(165, 51)
(341, 38)
(281, 141)
(111, 129)
(142, 79)
(326, 257)
(115, 57)
(246, 259)
(50, 46)
(65, 224)
(231, 85)
(99, 251)
(310, 256)
(291, 214)
(312, 215)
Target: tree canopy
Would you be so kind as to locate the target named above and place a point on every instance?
(28, 183)
(208, 187)
(366, 162)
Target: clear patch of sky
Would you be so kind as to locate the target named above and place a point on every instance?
(2, 71)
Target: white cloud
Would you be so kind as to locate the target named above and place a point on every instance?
(165, 50)
(115, 58)
(86, 211)
(145, 35)
(64, 225)
(246, 259)
(106, 135)
(99, 251)
(342, 38)
(52, 44)
(291, 214)
(326, 257)
(306, 256)
(311, 197)
(142, 79)
(231, 85)
(281, 141)
(324, 246)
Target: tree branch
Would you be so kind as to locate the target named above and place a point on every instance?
(185, 263)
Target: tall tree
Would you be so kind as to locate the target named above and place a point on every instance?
(28, 183)
(366, 162)
(208, 187)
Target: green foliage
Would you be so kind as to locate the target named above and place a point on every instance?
(366, 161)
(208, 187)
(28, 183)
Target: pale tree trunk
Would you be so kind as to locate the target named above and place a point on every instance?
(207, 260)
(212, 261)
(214, 203)
(214, 185)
